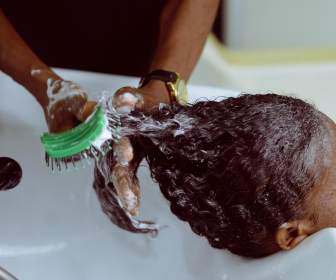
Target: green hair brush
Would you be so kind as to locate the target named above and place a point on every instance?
(90, 139)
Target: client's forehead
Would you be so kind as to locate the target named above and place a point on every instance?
(328, 139)
(322, 199)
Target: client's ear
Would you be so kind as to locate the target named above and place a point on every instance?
(290, 234)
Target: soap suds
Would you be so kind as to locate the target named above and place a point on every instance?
(130, 201)
(147, 126)
(124, 110)
(104, 136)
(61, 90)
(126, 102)
(35, 72)
(128, 97)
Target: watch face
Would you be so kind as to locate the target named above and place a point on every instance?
(182, 92)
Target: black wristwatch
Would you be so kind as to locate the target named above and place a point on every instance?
(176, 86)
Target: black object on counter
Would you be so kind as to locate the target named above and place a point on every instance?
(10, 173)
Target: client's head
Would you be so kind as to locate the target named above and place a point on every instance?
(253, 174)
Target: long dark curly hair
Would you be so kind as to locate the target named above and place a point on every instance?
(235, 169)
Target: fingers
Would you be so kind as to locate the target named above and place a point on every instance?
(60, 90)
(126, 100)
(66, 100)
(68, 106)
(123, 151)
(111, 206)
(127, 188)
(58, 127)
(87, 109)
(123, 176)
(60, 118)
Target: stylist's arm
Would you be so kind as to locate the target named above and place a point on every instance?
(184, 28)
(19, 62)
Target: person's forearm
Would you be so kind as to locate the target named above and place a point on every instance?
(18, 61)
(184, 27)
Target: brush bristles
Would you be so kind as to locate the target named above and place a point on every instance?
(113, 125)
(85, 156)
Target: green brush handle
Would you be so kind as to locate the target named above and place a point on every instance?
(76, 140)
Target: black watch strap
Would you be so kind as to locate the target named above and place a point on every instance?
(159, 74)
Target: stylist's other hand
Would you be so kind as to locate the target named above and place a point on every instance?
(123, 174)
(149, 96)
(68, 106)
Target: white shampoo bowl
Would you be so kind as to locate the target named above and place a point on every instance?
(52, 226)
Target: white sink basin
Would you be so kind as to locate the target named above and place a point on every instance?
(52, 226)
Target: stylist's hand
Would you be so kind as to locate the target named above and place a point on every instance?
(149, 96)
(123, 174)
(68, 106)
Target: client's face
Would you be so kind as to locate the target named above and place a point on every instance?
(322, 200)
(320, 203)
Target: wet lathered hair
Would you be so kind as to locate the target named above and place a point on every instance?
(236, 169)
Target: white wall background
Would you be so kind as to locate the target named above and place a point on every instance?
(281, 23)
